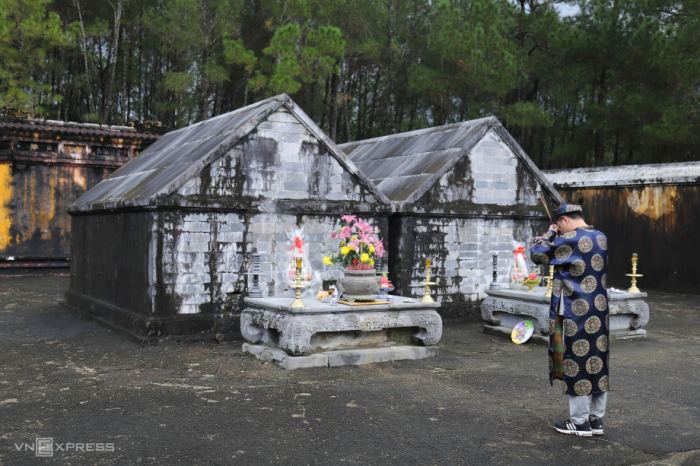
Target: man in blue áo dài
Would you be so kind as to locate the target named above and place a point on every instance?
(578, 316)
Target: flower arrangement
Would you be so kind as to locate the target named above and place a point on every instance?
(531, 280)
(359, 245)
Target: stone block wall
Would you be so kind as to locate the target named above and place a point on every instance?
(203, 264)
(490, 180)
(462, 251)
(280, 160)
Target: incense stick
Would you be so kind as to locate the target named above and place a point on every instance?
(544, 203)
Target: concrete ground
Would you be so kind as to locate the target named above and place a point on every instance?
(482, 401)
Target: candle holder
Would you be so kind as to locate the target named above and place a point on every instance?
(494, 274)
(634, 275)
(255, 272)
(297, 303)
(550, 282)
(427, 283)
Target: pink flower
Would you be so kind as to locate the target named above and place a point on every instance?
(345, 233)
(363, 226)
(379, 249)
(348, 218)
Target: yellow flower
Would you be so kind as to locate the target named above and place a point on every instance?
(371, 249)
(364, 258)
(371, 262)
(345, 250)
(327, 260)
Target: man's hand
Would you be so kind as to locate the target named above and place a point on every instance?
(554, 227)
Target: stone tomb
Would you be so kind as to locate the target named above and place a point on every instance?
(324, 335)
(504, 308)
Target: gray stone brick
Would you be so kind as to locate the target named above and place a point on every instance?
(233, 237)
(195, 227)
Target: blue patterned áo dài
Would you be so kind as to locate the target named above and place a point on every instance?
(580, 260)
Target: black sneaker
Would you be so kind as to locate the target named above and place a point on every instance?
(596, 425)
(569, 428)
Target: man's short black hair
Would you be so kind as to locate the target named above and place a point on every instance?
(573, 216)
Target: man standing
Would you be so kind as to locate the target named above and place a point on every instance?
(578, 316)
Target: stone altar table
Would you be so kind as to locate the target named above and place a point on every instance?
(323, 335)
(503, 308)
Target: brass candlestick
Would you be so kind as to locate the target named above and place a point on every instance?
(297, 303)
(634, 275)
(426, 292)
(550, 281)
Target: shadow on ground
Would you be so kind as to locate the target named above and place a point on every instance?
(482, 401)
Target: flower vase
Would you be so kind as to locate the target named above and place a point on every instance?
(359, 285)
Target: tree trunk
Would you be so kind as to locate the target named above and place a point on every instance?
(333, 116)
(118, 9)
(84, 50)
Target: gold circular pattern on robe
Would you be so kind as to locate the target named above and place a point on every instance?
(580, 307)
(602, 343)
(570, 328)
(563, 252)
(585, 244)
(552, 323)
(583, 387)
(581, 347)
(570, 368)
(589, 284)
(592, 325)
(603, 384)
(569, 234)
(594, 365)
(604, 281)
(577, 268)
(597, 262)
(540, 258)
(601, 302)
(568, 288)
(556, 287)
(602, 242)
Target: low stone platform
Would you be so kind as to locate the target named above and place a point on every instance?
(350, 357)
(503, 308)
(321, 335)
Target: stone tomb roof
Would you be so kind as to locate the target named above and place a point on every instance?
(181, 154)
(404, 166)
(627, 175)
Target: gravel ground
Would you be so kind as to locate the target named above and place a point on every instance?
(482, 401)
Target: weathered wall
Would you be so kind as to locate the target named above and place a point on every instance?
(33, 203)
(202, 266)
(491, 180)
(44, 166)
(658, 222)
(111, 267)
(462, 252)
